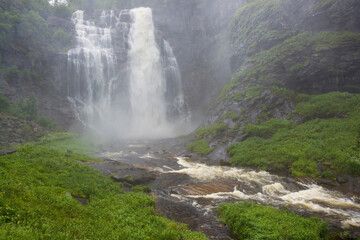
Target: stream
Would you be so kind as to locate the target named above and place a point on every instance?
(187, 190)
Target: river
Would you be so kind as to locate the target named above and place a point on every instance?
(188, 190)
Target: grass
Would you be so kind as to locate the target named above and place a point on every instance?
(37, 186)
(64, 141)
(255, 222)
(332, 142)
(213, 130)
(200, 146)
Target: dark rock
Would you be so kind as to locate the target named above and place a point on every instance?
(83, 201)
(328, 182)
(129, 174)
(342, 179)
(225, 163)
(8, 151)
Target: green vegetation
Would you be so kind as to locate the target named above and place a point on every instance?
(39, 185)
(4, 104)
(233, 116)
(64, 141)
(211, 130)
(334, 104)
(138, 188)
(26, 109)
(293, 57)
(251, 26)
(332, 143)
(255, 222)
(200, 146)
(267, 129)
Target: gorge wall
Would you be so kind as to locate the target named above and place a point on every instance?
(293, 92)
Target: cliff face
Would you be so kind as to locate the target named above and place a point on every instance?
(286, 55)
(30, 57)
(198, 32)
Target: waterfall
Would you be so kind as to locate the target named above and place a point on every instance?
(123, 80)
(147, 84)
(92, 68)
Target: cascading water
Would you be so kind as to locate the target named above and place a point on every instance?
(92, 68)
(147, 84)
(128, 87)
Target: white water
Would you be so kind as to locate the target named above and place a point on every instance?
(270, 189)
(147, 83)
(58, 2)
(93, 61)
(132, 92)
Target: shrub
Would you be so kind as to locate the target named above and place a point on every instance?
(4, 103)
(201, 147)
(211, 130)
(330, 142)
(26, 109)
(233, 116)
(62, 11)
(334, 104)
(46, 123)
(269, 128)
(138, 188)
(253, 221)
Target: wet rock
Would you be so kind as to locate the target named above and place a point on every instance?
(7, 151)
(328, 182)
(119, 173)
(225, 163)
(206, 188)
(342, 179)
(83, 201)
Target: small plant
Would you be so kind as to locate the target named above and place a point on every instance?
(129, 178)
(233, 116)
(46, 123)
(139, 188)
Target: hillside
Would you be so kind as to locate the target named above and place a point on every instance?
(292, 104)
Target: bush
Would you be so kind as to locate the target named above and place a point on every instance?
(62, 40)
(4, 103)
(269, 128)
(26, 109)
(62, 11)
(255, 222)
(138, 188)
(46, 123)
(334, 104)
(201, 147)
(233, 116)
(300, 149)
(211, 130)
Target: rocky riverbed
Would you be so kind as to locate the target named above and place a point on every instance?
(188, 191)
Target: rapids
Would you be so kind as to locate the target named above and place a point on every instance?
(188, 191)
